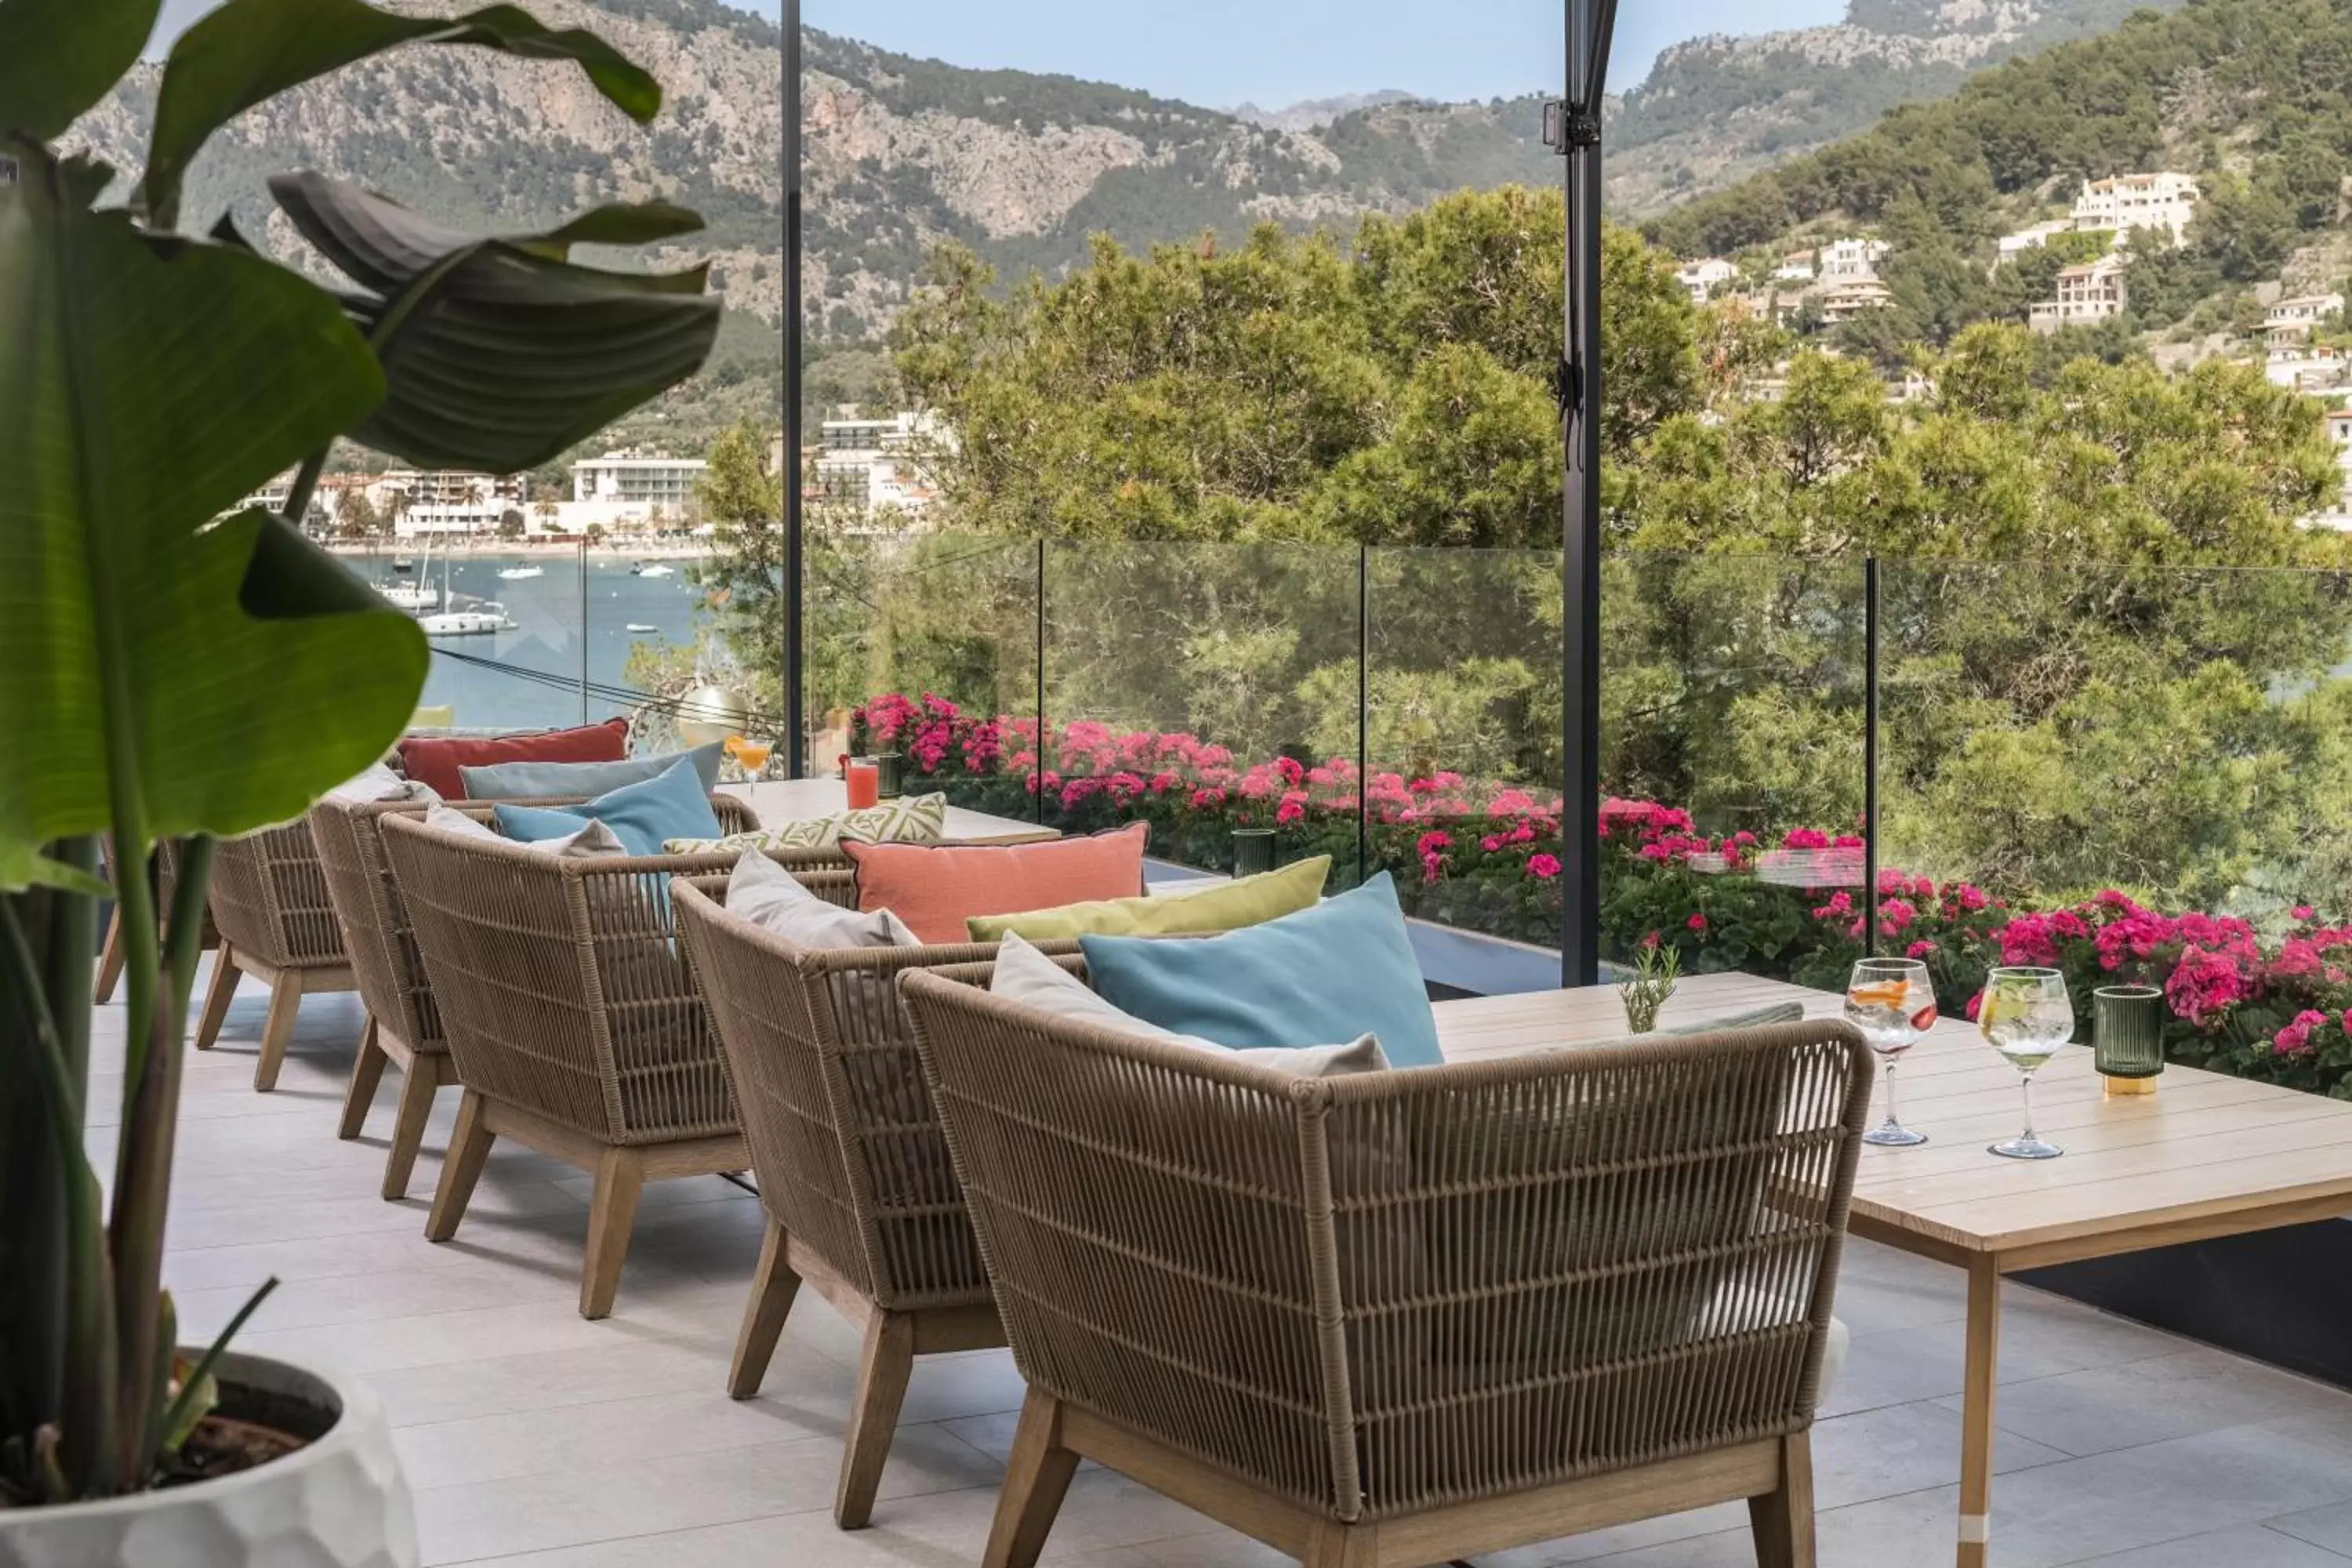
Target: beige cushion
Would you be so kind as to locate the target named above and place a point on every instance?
(1027, 976)
(918, 819)
(773, 899)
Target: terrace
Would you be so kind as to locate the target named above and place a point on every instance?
(736, 1167)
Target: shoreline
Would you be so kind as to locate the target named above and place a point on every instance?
(610, 550)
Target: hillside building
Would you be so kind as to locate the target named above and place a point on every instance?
(1797, 266)
(1847, 301)
(2165, 201)
(2339, 512)
(2306, 367)
(1702, 279)
(875, 466)
(2294, 320)
(623, 491)
(2088, 294)
(1852, 260)
(449, 519)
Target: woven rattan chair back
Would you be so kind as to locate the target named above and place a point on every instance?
(849, 1155)
(269, 898)
(375, 919)
(1377, 1296)
(560, 984)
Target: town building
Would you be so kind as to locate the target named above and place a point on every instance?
(2165, 201)
(449, 519)
(2294, 320)
(877, 467)
(2306, 367)
(1702, 279)
(2338, 514)
(2088, 294)
(1797, 266)
(1852, 260)
(1847, 301)
(627, 491)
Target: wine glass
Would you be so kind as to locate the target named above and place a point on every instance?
(2027, 1017)
(751, 753)
(1893, 1003)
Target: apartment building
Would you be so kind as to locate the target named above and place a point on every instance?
(2294, 320)
(1852, 260)
(2166, 200)
(1702, 279)
(2088, 294)
(1847, 301)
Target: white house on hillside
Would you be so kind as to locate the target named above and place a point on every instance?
(1852, 260)
(1701, 278)
(2166, 200)
(1797, 266)
(2087, 295)
(2294, 320)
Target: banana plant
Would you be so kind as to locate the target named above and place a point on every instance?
(173, 668)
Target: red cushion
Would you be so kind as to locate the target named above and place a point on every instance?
(435, 760)
(936, 888)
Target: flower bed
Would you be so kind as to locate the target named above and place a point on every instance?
(1486, 857)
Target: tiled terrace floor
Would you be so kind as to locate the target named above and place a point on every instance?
(533, 1438)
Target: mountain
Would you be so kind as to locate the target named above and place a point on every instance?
(1716, 108)
(1313, 113)
(2247, 95)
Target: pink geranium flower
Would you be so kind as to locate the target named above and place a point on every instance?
(1543, 867)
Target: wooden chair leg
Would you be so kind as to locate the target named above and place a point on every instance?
(469, 1147)
(417, 1088)
(882, 1374)
(109, 959)
(218, 996)
(1782, 1520)
(772, 1290)
(285, 1002)
(1036, 1477)
(367, 1072)
(612, 1216)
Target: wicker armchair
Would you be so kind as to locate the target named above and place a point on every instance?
(167, 878)
(862, 1202)
(404, 1026)
(268, 897)
(1406, 1316)
(573, 1022)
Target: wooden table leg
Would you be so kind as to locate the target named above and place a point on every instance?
(1982, 1369)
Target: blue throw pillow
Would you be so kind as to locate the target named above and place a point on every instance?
(551, 780)
(640, 815)
(1319, 977)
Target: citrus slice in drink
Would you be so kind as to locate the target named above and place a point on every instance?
(1880, 994)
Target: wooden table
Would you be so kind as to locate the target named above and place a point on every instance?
(2204, 1156)
(794, 800)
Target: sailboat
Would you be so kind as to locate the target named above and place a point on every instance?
(417, 596)
(483, 619)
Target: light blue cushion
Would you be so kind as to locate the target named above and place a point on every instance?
(564, 781)
(673, 805)
(1342, 968)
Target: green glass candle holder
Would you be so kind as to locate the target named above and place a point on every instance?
(1253, 851)
(2128, 1037)
(889, 776)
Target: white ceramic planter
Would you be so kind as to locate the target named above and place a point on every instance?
(341, 1502)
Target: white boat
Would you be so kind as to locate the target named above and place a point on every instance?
(658, 570)
(642, 629)
(482, 620)
(522, 573)
(412, 596)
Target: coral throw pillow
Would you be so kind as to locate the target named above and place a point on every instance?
(434, 760)
(935, 888)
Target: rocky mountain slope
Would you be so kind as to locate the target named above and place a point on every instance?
(1718, 108)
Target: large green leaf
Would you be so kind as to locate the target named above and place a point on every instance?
(500, 354)
(58, 57)
(216, 678)
(249, 51)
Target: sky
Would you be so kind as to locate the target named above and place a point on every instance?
(1272, 53)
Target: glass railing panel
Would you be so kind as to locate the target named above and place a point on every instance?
(1732, 752)
(2065, 739)
(1206, 690)
(1462, 743)
(926, 645)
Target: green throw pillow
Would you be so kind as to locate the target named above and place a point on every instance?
(1230, 906)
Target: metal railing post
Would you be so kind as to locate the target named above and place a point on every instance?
(1870, 756)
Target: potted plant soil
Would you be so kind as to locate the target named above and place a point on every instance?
(173, 670)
